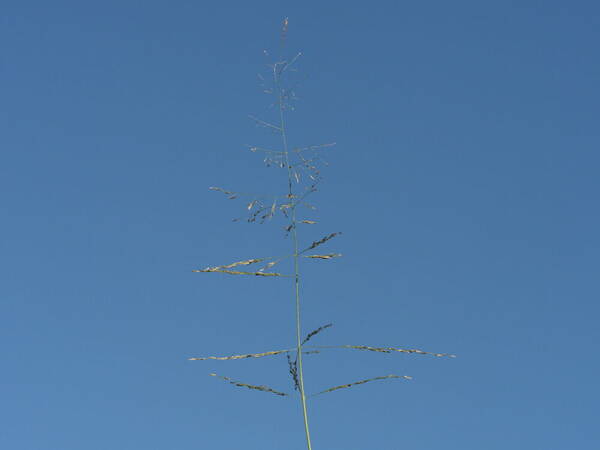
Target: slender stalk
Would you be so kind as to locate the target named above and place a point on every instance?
(296, 255)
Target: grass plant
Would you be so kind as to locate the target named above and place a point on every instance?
(302, 168)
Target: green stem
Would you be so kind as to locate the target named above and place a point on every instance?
(296, 259)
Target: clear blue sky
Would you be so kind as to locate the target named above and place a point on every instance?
(465, 180)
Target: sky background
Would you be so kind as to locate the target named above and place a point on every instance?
(465, 181)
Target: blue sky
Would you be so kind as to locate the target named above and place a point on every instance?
(464, 179)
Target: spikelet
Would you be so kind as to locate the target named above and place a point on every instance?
(293, 369)
(251, 355)
(329, 256)
(231, 195)
(224, 191)
(269, 265)
(344, 386)
(245, 262)
(322, 241)
(284, 28)
(248, 355)
(226, 268)
(393, 349)
(312, 333)
(236, 272)
(249, 386)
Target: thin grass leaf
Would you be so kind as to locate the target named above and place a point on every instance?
(344, 386)
(309, 206)
(291, 63)
(312, 333)
(265, 124)
(244, 356)
(313, 147)
(249, 386)
(393, 349)
(308, 222)
(329, 256)
(255, 149)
